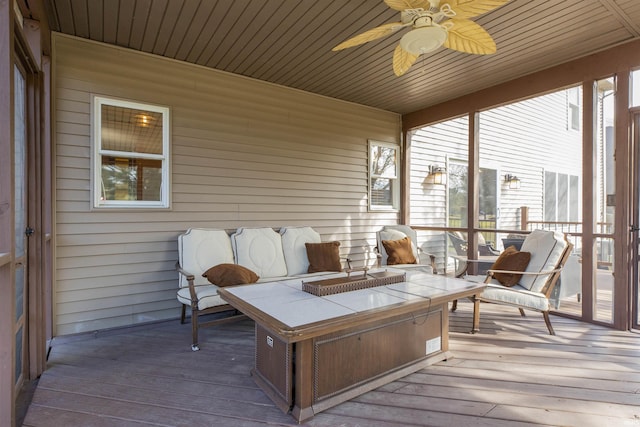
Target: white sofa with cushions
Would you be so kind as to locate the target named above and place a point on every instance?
(247, 255)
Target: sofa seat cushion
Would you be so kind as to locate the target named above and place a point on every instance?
(207, 296)
(516, 295)
(259, 250)
(223, 275)
(293, 245)
(199, 249)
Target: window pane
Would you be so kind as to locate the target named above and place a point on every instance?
(574, 198)
(563, 197)
(635, 88)
(550, 196)
(131, 130)
(488, 197)
(131, 179)
(458, 184)
(603, 290)
(20, 162)
(605, 143)
(18, 370)
(383, 161)
(384, 186)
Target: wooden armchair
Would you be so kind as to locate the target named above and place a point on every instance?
(549, 252)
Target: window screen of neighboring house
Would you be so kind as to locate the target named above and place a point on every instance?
(561, 197)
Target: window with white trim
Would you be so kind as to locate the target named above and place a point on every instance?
(384, 176)
(561, 197)
(130, 154)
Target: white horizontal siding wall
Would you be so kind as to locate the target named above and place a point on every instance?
(244, 153)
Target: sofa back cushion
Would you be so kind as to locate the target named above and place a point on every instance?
(293, 245)
(259, 250)
(546, 248)
(200, 249)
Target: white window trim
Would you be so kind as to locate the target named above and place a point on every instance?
(97, 153)
(574, 94)
(395, 182)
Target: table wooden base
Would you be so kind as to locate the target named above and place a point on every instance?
(308, 376)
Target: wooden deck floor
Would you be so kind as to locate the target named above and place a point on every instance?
(512, 373)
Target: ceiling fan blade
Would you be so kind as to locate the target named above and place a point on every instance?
(402, 60)
(469, 37)
(367, 36)
(471, 8)
(408, 4)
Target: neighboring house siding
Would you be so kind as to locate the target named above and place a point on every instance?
(244, 153)
(526, 139)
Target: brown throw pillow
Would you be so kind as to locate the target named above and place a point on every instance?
(513, 260)
(323, 256)
(399, 251)
(223, 275)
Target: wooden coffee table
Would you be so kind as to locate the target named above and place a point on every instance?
(315, 352)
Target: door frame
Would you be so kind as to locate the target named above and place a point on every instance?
(634, 240)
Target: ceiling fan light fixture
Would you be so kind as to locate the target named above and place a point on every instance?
(423, 40)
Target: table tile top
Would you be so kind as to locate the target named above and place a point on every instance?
(286, 301)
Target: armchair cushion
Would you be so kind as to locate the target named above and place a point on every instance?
(223, 275)
(546, 248)
(515, 295)
(399, 251)
(512, 260)
(323, 256)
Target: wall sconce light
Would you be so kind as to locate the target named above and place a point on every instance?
(512, 181)
(437, 175)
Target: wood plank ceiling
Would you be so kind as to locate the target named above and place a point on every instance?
(289, 42)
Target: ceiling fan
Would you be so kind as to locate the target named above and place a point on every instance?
(434, 23)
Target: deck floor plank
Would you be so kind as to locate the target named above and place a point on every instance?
(511, 373)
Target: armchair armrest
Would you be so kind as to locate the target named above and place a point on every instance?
(378, 255)
(189, 276)
(525, 273)
(432, 259)
(190, 280)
